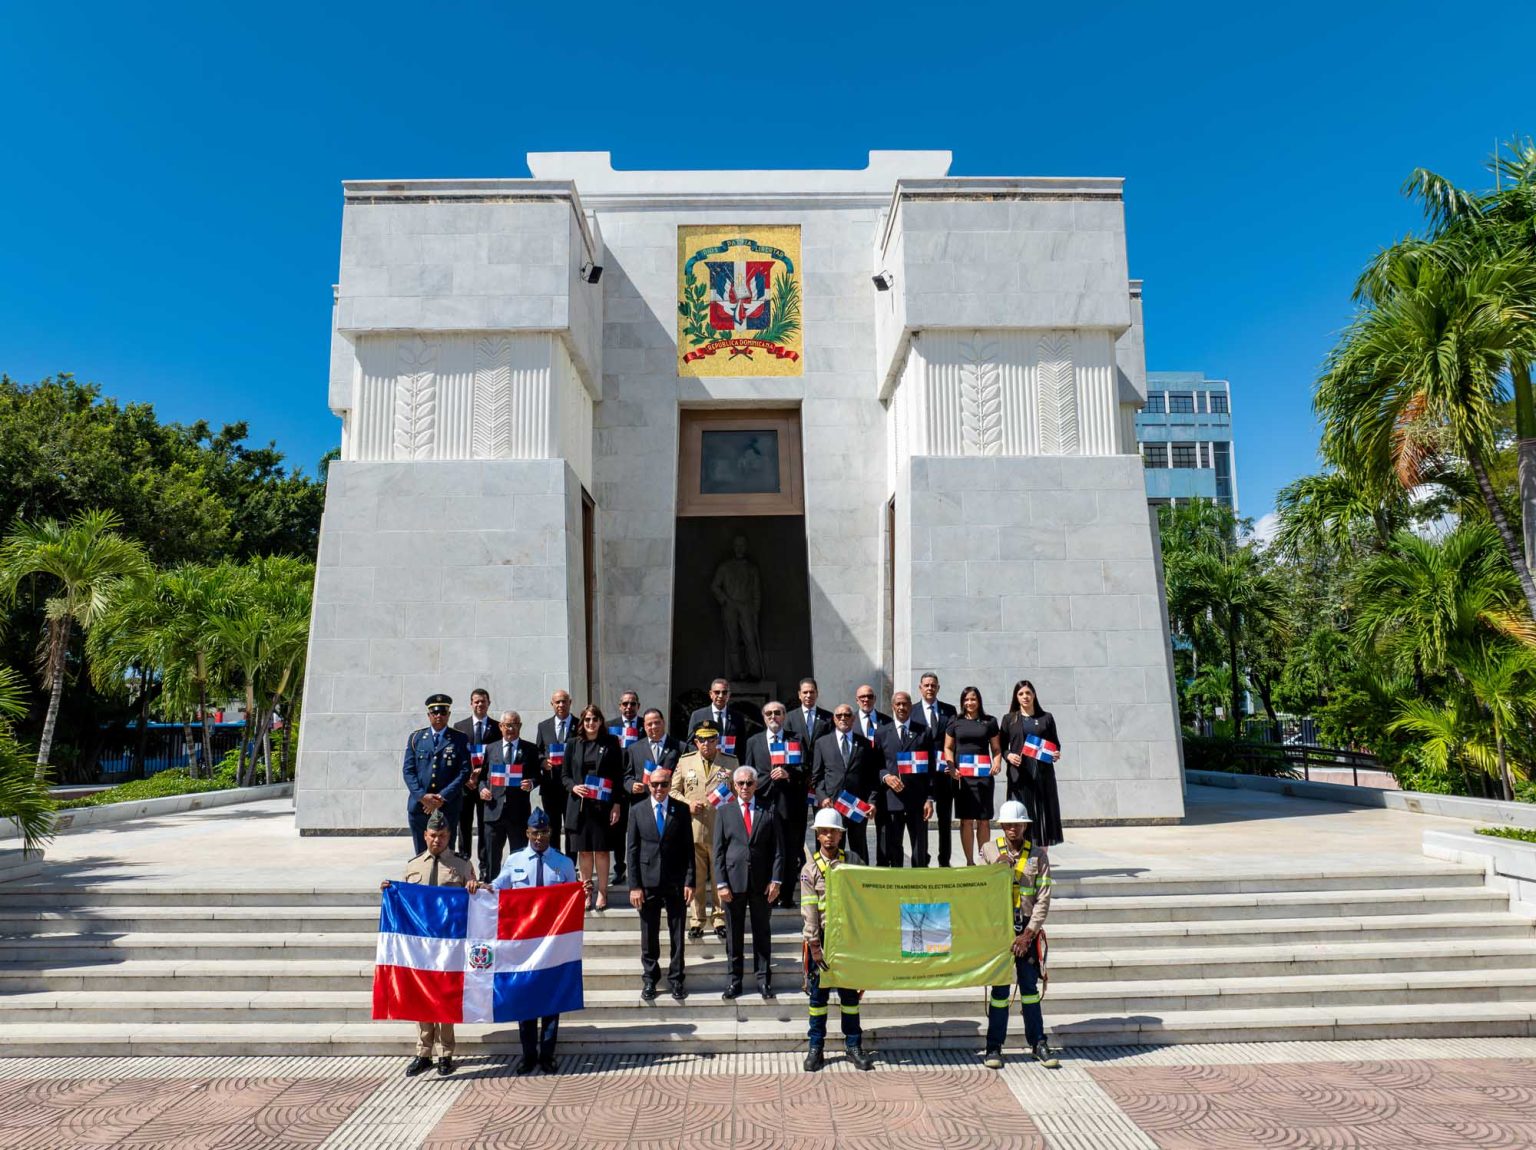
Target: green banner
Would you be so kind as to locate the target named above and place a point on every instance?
(892, 928)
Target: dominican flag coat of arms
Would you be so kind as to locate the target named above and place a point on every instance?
(738, 301)
(445, 955)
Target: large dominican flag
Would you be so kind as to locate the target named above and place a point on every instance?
(445, 955)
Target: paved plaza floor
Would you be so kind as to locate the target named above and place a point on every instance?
(1406, 1094)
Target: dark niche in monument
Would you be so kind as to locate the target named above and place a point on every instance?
(742, 609)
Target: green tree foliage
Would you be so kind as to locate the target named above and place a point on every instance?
(24, 799)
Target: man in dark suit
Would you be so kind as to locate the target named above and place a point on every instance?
(843, 762)
(435, 768)
(655, 749)
(661, 875)
(749, 871)
(808, 721)
(625, 727)
(719, 715)
(906, 781)
(555, 732)
(783, 765)
(869, 722)
(936, 716)
(480, 729)
(505, 808)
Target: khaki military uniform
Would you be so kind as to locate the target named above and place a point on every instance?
(692, 781)
(435, 1039)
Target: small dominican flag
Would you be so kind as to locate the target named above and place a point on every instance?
(976, 766)
(1043, 749)
(787, 755)
(554, 754)
(601, 785)
(853, 808)
(721, 794)
(445, 955)
(728, 744)
(912, 762)
(506, 774)
(477, 754)
(626, 734)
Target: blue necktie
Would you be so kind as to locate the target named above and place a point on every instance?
(538, 879)
(661, 820)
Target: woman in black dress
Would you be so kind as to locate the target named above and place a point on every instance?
(593, 751)
(1031, 780)
(972, 734)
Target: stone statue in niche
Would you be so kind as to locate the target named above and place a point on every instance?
(739, 591)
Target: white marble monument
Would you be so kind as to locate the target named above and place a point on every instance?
(956, 450)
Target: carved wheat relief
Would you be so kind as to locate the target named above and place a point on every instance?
(981, 400)
(1057, 396)
(493, 397)
(416, 400)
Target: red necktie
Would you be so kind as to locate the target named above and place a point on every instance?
(746, 815)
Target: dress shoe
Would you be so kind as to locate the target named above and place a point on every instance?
(444, 1066)
(720, 933)
(860, 1058)
(695, 933)
(417, 1065)
(647, 994)
(731, 992)
(767, 993)
(549, 1065)
(679, 994)
(526, 1063)
(813, 1059)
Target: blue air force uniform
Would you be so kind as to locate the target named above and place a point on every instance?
(436, 763)
(525, 868)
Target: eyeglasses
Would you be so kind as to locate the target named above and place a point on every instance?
(437, 710)
(843, 715)
(865, 698)
(772, 714)
(660, 786)
(591, 721)
(746, 782)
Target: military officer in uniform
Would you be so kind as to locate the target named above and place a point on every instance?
(813, 893)
(699, 773)
(436, 767)
(436, 865)
(537, 864)
(1031, 903)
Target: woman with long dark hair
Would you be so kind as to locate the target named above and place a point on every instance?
(593, 752)
(971, 749)
(1032, 776)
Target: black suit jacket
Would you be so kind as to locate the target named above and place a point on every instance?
(780, 793)
(821, 725)
(637, 760)
(831, 777)
(914, 788)
(504, 801)
(730, 724)
(466, 727)
(946, 715)
(745, 866)
(549, 777)
(665, 860)
(881, 720)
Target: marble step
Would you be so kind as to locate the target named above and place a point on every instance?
(1273, 880)
(48, 1008)
(742, 1033)
(1066, 913)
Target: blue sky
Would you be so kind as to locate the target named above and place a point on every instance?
(169, 174)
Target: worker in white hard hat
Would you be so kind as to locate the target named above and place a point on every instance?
(813, 895)
(1031, 903)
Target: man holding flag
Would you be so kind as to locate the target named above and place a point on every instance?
(813, 891)
(782, 761)
(537, 864)
(512, 766)
(906, 783)
(845, 772)
(1031, 872)
(698, 781)
(435, 866)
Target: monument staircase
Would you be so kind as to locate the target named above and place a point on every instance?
(1418, 950)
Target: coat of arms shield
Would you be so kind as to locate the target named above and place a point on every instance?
(738, 301)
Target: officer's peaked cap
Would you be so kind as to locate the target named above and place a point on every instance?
(439, 700)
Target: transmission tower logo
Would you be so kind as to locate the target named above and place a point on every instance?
(925, 929)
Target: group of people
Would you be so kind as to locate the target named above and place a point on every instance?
(712, 829)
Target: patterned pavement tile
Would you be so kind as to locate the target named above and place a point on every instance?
(1461, 1104)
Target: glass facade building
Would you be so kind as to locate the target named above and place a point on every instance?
(1185, 435)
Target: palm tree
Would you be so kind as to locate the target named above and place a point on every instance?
(1418, 373)
(1501, 676)
(1238, 593)
(1422, 600)
(88, 560)
(24, 799)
